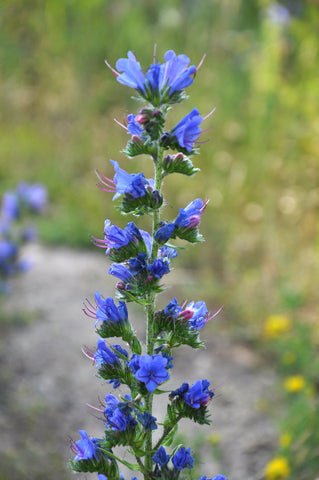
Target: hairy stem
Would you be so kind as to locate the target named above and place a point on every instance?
(151, 310)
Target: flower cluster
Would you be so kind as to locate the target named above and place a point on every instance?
(139, 261)
(17, 204)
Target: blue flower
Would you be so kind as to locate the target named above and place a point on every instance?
(137, 264)
(159, 268)
(164, 233)
(199, 314)
(104, 354)
(173, 309)
(115, 237)
(107, 311)
(147, 420)
(183, 459)
(119, 270)
(133, 127)
(174, 74)
(33, 196)
(152, 371)
(8, 252)
(218, 477)
(161, 458)
(180, 392)
(188, 130)
(132, 75)
(133, 184)
(198, 394)
(101, 477)
(118, 418)
(168, 252)
(189, 217)
(86, 448)
(134, 363)
(10, 208)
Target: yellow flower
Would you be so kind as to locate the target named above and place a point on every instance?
(277, 469)
(295, 383)
(276, 325)
(214, 438)
(285, 440)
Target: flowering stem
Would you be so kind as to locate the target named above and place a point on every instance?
(158, 160)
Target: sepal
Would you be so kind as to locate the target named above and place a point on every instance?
(179, 163)
(124, 330)
(175, 331)
(146, 204)
(103, 464)
(179, 409)
(139, 146)
(191, 235)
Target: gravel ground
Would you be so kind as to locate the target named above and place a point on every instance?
(47, 381)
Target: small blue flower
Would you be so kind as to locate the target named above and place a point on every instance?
(134, 363)
(132, 75)
(168, 252)
(8, 252)
(86, 448)
(104, 354)
(125, 182)
(133, 127)
(218, 477)
(34, 196)
(173, 309)
(152, 371)
(137, 264)
(107, 311)
(147, 420)
(183, 459)
(161, 458)
(159, 268)
(118, 418)
(188, 130)
(10, 208)
(174, 74)
(119, 270)
(198, 394)
(101, 477)
(189, 217)
(180, 392)
(200, 314)
(164, 233)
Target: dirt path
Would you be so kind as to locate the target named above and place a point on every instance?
(48, 381)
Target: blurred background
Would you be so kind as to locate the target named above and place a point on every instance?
(259, 167)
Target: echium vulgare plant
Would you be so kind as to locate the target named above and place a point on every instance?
(140, 260)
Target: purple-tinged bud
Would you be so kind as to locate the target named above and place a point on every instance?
(186, 314)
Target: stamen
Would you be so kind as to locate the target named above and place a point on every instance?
(120, 124)
(111, 68)
(210, 317)
(200, 63)
(210, 113)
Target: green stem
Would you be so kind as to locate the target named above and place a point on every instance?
(166, 432)
(151, 311)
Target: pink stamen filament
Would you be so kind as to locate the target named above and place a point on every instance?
(200, 63)
(209, 114)
(120, 124)
(111, 68)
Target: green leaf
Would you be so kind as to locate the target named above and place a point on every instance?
(170, 437)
